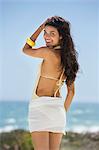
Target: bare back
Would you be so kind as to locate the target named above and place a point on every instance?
(50, 67)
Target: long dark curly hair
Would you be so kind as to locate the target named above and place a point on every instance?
(68, 52)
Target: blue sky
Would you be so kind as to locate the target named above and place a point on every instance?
(19, 19)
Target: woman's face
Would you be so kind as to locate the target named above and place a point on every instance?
(51, 36)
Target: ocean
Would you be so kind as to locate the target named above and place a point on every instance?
(81, 117)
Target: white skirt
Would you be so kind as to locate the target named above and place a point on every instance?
(47, 114)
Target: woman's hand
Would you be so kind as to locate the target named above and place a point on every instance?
(65, 108)
(43, 25)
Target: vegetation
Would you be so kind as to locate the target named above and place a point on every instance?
(21, 140)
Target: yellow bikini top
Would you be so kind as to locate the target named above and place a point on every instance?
(48, 77)
(59, 82)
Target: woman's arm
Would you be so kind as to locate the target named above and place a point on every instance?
(34, 36)
(40, 52)
(70, 95)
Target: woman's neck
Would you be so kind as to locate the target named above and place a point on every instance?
(56, 47)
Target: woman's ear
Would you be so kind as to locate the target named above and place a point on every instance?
(60, 37)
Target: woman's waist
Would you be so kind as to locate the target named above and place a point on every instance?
(47, 100)
(46, 92)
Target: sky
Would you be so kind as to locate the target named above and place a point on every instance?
(19, 19)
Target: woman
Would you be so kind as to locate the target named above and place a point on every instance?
(47, 109)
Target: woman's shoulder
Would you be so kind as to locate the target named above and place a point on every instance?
(51, 55)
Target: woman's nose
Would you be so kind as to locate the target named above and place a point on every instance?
(47, 35)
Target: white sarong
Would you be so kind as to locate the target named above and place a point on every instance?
(47, 114)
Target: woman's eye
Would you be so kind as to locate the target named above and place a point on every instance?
(52, 34)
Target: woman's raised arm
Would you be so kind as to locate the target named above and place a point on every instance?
(34, 36)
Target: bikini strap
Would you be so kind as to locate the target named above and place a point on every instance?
(62, 74)
(59, 82)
